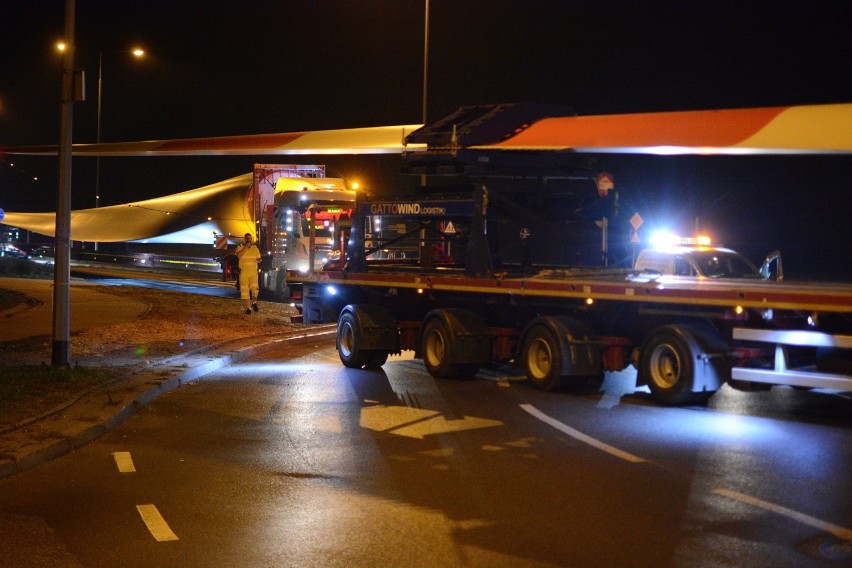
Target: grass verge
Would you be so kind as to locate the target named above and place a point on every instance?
(24, 267)
(27, 391)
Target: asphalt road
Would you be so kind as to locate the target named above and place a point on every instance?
(290, 459)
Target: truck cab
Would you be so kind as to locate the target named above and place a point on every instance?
(303, 228)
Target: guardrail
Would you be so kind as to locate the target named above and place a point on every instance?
(146, 260)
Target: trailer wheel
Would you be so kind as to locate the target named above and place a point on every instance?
(436, 345)
(666, 362)
(376, 359)
(542, 359)
(347, 343)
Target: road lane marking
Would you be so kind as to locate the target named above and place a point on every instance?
(156, 524)
(839, 532)
(124, 462)
(577, 435)
(417, 422)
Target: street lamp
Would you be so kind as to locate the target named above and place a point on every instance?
(136, 52)
(425, 57)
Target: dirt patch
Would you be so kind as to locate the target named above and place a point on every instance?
(10, 299)
(177, 322)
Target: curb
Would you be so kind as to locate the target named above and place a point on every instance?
(78, 439)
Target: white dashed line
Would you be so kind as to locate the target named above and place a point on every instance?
(124, 462)
(839, 532)
(156, 523)
(577, 435)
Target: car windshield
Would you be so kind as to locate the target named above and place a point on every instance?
(718, 264)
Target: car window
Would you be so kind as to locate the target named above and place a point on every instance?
(719, 264)
(682, 267)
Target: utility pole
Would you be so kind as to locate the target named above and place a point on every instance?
(98, 137)
(425, 71)
(62, 265)
(425, 58)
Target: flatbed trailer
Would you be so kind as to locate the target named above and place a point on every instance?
(686, 337)
(521, 258)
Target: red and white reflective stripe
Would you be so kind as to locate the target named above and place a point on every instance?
(372, 140)
(762, 295)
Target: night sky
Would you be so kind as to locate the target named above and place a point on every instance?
(222, 68)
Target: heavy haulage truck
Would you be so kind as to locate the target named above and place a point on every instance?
(296, 212)
(520, 262)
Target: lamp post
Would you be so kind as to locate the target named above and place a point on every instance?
(425, 58)
(425, 69)
(136, 52)
(61, 339)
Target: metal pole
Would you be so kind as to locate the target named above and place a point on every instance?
(62, 264)
(425, 59)
(425, 71)
(98, 136)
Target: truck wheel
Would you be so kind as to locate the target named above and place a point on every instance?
(376, 359)
(543, 359)
(282, 291)
(347, 343)
(437, 342)
(666, 362)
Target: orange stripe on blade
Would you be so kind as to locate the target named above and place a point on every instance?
(716, 128)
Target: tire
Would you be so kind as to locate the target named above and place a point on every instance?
(282, 291)
(436, 346)
(376, 359)
(347, 343)
(542, 357)
(667, 364)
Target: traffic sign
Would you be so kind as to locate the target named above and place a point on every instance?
(2, 214)
(636, 221)
(605, 182)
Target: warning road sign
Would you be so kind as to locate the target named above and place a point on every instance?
(636, 221)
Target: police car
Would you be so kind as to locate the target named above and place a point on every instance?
(695, 257)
